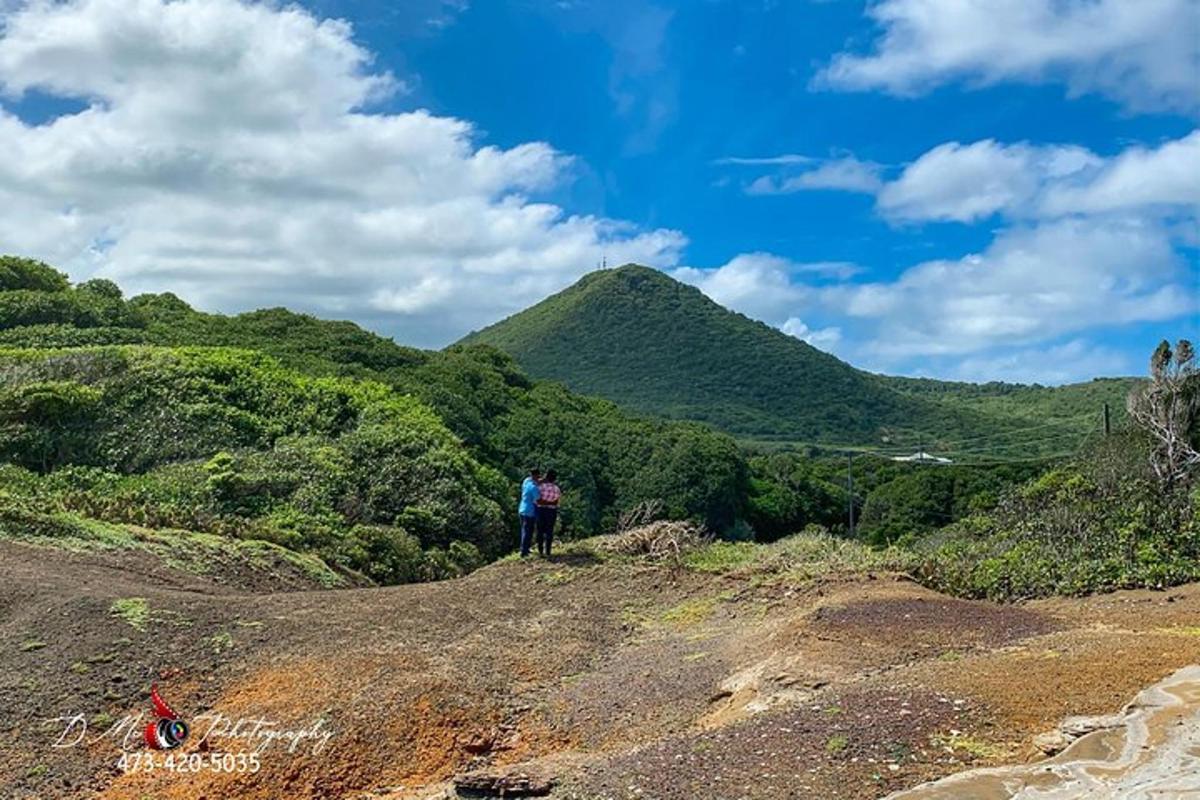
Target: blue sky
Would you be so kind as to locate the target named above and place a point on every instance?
(919, 186)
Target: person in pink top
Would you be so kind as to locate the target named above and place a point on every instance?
(547, 512)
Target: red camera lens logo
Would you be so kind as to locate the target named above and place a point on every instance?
(169, 730)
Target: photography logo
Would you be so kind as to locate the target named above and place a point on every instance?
(169, 730)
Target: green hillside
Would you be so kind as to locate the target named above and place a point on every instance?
(653, 344)
(399, 463)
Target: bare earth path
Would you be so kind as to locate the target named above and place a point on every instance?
(611, 680)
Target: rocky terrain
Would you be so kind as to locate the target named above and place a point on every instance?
(582, 677)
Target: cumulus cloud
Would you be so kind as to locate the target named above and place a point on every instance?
(759, 285)
(235, 153)
(820, 338)
(1139, 177)
(1144, 54)
(1074, 360)
(969, 182)
(1032, 284)
(772, 289)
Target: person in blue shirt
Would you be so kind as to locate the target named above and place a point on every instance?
(527, 509)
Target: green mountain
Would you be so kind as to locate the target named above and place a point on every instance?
(650, 343)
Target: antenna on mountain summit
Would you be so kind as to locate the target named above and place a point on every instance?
(604, 261)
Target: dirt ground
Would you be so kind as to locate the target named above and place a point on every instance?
(608, 680)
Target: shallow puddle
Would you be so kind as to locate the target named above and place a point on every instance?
(1151, 751)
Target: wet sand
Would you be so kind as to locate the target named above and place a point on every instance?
(1150, 751)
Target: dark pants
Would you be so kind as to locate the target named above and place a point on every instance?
(546, 517)
(528, 524)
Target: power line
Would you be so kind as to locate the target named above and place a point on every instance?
(986, 448)
(997, 440)
(945, 444)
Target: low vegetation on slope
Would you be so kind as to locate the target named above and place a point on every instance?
(320, 436)
(227, 441)
(638, 337)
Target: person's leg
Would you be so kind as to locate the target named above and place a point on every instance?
(549, 518)
(541, 531)
(527, 526)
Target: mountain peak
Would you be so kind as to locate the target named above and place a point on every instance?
(630, 276)
(647, 341)
(641, 338)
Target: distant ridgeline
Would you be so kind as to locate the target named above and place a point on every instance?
(658, 346)
(395, 462)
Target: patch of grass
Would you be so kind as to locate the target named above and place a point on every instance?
(134, 610)
(559, 578)
(221, 641)
(808, 556)
(720, 557)
(80, 668)
(950, 656)
(634, 615)
(698, 656)
(695, 611)
(263, 555)
(1186, 630)
(38, 771)
(29, 645)
(971, 745)
(799, 559)
(101, 658)
(102, 721)
(836, 744)
(187, 551)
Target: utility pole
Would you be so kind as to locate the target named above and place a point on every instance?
(850, 491)
(1107, 426)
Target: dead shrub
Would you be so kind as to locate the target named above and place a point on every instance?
(657, 541)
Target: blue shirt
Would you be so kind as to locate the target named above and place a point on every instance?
(529, 498)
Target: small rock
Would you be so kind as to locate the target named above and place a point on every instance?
(1051, 742)
(516, 784)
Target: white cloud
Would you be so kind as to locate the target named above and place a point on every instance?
(822, 338)
(969, 182)
(846, 174)
(1076, 360)
(1144, 54)
(1031, 284)
(966, 183)
(786, 159)
(756, 284)
(229, 152)
(1138, 177)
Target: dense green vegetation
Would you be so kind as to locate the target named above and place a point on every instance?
(399, 463)
(145, 420)
(1099, 522)
(648, 342)
(893, 502)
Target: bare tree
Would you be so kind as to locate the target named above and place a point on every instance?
(1168, 409)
